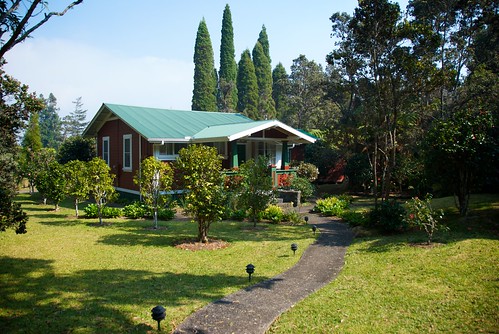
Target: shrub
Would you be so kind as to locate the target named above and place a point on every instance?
(135, 210)
(354, 218)
(273, 213)
(293, 217)
(303, 185)
(308, 171)
(331, 206)
(421, 214)
(92, 211)
(239, 215)
(166, 213)
(388, 216)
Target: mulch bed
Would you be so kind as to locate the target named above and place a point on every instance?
(194, 245)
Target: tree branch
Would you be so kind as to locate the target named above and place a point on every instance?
(18, 36)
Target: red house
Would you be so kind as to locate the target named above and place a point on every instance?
(126, 135)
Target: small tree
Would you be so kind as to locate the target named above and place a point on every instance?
(256, 187)
(101, 183)
(200, 168)
(77, 181)
(76, 148)
(421, 214)
(51, 182)
(154, 178)
(33, 163)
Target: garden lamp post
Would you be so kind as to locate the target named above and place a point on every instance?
(158, 314)
(306, 219)
(314, 228)
(294, 247)
(250, 269)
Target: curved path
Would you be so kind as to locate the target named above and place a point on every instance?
(254, 309)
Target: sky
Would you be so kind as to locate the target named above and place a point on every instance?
(141, 52)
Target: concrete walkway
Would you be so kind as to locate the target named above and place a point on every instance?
(254, 309)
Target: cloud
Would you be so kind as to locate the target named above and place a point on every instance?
(69, 70)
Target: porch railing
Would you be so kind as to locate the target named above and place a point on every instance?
(279, 176)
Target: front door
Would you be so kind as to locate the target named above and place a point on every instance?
(241, 154)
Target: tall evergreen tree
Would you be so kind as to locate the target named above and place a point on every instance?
(32, 140)
(75, 122)
(263, 71)
(50, 124)
(227, 88)
(247, 87)
(280, 90)
(204, 95)
(263, 38)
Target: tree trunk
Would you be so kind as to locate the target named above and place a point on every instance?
(76, 207)
(202, 232)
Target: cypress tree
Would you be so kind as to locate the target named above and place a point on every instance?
(247, 87)
(227, 89)
(280, 90)
(264, 41)
(205, 82)
(263, 71)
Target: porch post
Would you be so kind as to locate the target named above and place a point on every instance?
(285, 155)
(233, 151)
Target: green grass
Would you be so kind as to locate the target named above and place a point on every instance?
(391, 285)
(70, 275)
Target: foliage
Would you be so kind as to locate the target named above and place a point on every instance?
(263, 72)
(388, 216)
(306, 170)
(359, 172)
(331, 206)
(293, 217)
(227, 94)
(154, 178)
(421, 214)
(273, 213)
(204, 95)
(355, 218)
(200, 169)
(256, 191)
(33, 163)
(135, 210)
(101, 183)
(77, 182)
(74, 123)
(76, 148)
(92, 211)
(51, 182)
(247, 87)
(11, 214)
(304, 186)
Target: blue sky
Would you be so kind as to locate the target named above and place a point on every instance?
(140, 52)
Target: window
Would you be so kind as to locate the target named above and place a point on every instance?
(168, 151)
(127, 152)
(221, 147)
(269, 150)
(105, 149)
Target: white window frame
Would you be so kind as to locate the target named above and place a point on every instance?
(221, 147)
(125, 166)
(105, 140)
(172, 155)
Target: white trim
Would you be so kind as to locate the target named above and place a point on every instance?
(127, 168)
(272, 124)
(106, 139)
(135, 192)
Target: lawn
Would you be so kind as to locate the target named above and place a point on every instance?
(392, 284)
(69, 275)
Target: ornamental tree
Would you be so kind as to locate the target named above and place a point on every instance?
(200, 169)
(101, 183)
(77, 181)
(154, 178)
(256, 187)
(51, 182)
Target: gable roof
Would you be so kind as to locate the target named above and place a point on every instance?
(163, 125)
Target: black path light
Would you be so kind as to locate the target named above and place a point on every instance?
(306, 219)
(158, 314)
(250, 269)
(294, 247)
(314, 228)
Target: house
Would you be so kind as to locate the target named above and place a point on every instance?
(126, 135)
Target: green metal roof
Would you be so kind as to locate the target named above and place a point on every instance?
(153, 123)
(157, 125)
